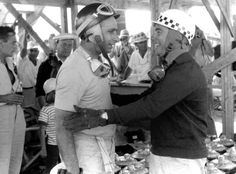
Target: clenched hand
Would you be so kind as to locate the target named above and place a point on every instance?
(12, 99)
(82, 119)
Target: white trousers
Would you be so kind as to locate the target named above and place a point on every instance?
(169, 165)
(12, 134)
(91, 152)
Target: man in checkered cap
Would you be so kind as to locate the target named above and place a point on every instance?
(176, 105)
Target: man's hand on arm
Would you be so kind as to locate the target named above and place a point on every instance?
(83, 119)
(66, 144)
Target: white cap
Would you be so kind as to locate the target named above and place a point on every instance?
(65, 36)
(140, 37)
(177, 20)
(49, 85)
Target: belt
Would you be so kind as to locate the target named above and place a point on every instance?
(28, 87)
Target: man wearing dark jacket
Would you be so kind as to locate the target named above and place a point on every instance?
(49, 68)
(176, 105)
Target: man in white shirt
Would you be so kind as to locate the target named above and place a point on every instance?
(12, 121)
(27, 69)
(82, 80)
(140, 61)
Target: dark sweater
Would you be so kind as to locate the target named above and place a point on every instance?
(177, 107)
(43, 74)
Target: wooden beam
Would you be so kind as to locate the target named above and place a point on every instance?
(226, 17)
(219, 64)
(4, 18)
(118, 4)
(48, 20)
(27, 27)
(212, 14)
(58, 3)
(61, 3)
(34, 16)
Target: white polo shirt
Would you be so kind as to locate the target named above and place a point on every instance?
(27, 72)
(77, 85)
(140, 66)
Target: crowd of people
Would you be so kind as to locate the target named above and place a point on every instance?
(71, 92)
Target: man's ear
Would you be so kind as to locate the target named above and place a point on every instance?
(92, 32)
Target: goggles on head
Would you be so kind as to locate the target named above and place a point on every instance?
(103, 12)
(98, 68)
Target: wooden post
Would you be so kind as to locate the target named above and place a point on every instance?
(64, 22)
(121, 20)
(234, 26)
(173, 4)
(155, 10)
(27, 27)
(74, 11)
(226, 15)
(226, 73)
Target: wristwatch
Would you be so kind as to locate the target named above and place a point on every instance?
(104, 115)
(104, 118)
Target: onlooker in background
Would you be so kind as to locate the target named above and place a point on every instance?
(122, 51)
(48, 127)
(49, 68)
(201, 48)
(27, 71)
(82, 80)
(12, 121)
(140, 61)
(202, 51)
(64, 45)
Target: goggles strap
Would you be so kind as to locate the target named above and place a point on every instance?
(101, 47)
(85, 24)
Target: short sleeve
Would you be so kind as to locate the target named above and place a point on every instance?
(70, 87)
(43, 115)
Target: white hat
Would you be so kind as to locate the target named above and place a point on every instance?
(65, 36)
(140, 37)
(124, 33)
(177, 20)
(49, 85)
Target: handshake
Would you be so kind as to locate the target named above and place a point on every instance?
(84, 119)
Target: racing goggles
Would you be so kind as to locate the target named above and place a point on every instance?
(103, 12)
(98, 68)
